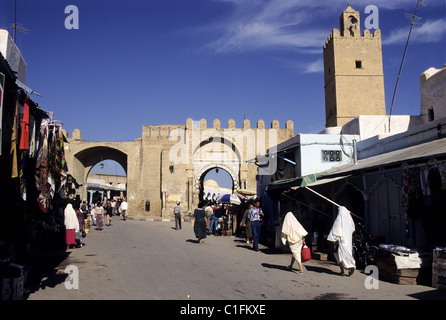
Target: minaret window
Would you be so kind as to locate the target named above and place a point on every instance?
(431, 114)
(358, 64)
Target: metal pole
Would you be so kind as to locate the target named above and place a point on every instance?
(15, 19)
(338, 205)
(402, 61)
(306, 205)
(355, 152)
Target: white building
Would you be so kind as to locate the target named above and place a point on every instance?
(212, 191)
(398, 181)
(12, 54)
(433, 94)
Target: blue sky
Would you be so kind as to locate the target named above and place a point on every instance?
(136, 62)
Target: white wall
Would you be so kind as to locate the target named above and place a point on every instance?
(311, 146)
(12, 54)
(370, 126)
(433, 93)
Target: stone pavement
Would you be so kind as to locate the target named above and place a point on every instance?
(146, 259)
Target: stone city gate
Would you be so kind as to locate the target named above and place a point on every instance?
(169, 162)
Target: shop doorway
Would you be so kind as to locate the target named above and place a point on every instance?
(386, 216)
(351, 198)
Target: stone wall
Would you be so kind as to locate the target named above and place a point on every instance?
(169, 161)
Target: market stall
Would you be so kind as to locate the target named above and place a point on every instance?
(33, 183)
(402, 265)
(232, 203)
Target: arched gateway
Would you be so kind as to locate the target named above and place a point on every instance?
(168, 161)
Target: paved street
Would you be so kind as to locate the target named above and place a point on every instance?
(149, 260)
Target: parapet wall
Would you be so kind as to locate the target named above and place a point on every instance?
(365, 36)
(171, 131)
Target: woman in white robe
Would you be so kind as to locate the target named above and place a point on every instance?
(71, 223)
(294, 234)
(342, 233)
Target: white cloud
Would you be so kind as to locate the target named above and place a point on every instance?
(430, 31)
(397, 4)
(257, 24)
(313, 67)
(302, 25)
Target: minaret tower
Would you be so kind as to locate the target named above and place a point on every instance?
(353, 72)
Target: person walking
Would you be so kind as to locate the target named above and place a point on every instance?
(71, 225)
(341, 234)
(255, 215)
(200, 224)
(99, 216)
(113, 205)
(84, 209)
(293, 233)
(80, 219)
(177, 214)
(246, 223)
(108, 213)
(124, 207)
(93, 214)
(213, 221)
(118, 207)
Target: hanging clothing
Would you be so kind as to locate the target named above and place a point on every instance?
(442, 170)
(24, 122)
(42, 169)
(22, 177)
(406, 187)
(61, 163)
(51, 166)
(425, 187)
(13, 152)
(342, 232)
(32, 143)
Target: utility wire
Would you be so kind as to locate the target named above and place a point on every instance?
(402, 61)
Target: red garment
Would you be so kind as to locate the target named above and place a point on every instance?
(70, 236)
(24, 136)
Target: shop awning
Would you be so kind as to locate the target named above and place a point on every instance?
(321, 181)
(247, 192)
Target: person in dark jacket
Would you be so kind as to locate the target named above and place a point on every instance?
(200, 224)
